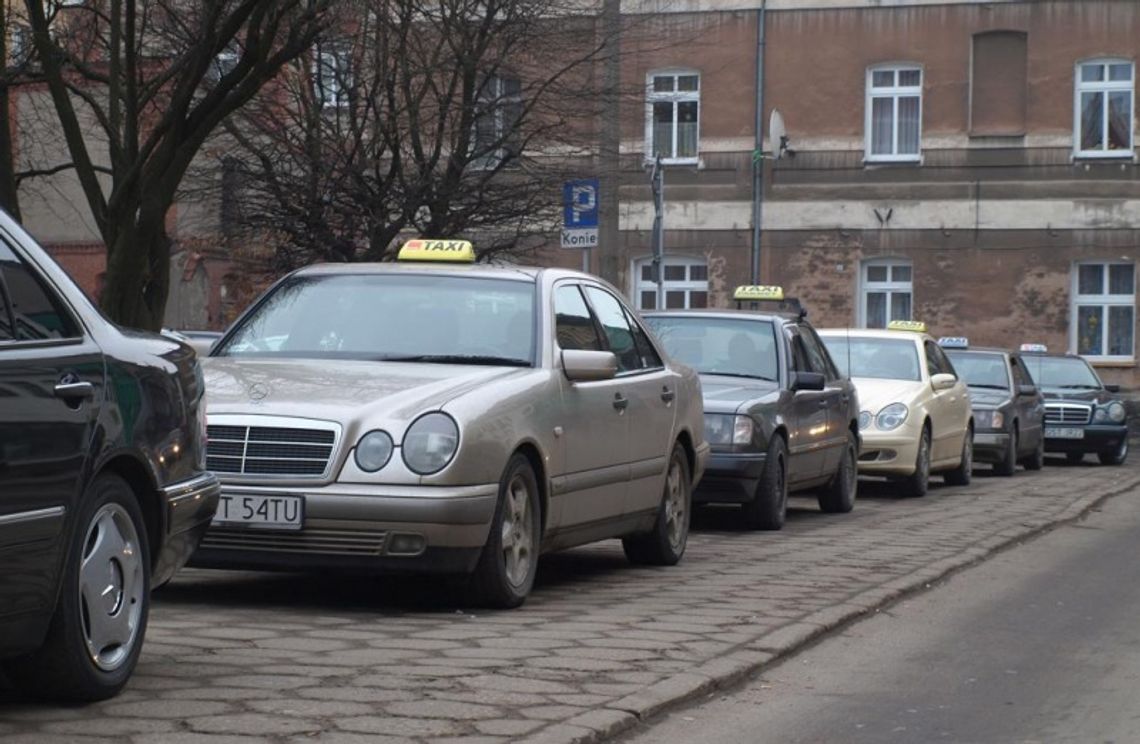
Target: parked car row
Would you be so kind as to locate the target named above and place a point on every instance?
(435, 415)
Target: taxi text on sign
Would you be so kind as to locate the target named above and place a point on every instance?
(580, 213)
(437, 250)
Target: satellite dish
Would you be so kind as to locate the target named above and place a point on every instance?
(777, 132)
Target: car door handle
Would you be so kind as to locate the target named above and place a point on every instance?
(620, 402)
(69, 390)
(667, 395)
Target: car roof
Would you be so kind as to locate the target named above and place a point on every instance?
(723, 313)
(986, 349)
(1052, 354)
(492, 270)
(872, 333)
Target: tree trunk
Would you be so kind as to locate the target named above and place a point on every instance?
(9, 196)
(138, 274)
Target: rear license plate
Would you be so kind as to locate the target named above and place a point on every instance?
(268, 512)
(1063, 432)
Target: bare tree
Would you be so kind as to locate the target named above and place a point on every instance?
(137, 87)
(434, 117)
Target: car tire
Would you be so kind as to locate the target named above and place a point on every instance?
(918, 483)
(508, 565)
(961, 475)
(768, 508)
(1036, 461)
(1008, 463)
(1075, 458)
(1116, 457)
(838, 497)
(83, 661)
(665, 545)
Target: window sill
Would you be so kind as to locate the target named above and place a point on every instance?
(1110, 363)
(692, 162)
(1115, 155)
(893, 160)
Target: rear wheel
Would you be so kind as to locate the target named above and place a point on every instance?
(96, 634)
(838, 497)
(665, 545)
(768, 508)
(918, 483)
(1036, 461)
(505, 573)
(1008, 463)
(1117, 456)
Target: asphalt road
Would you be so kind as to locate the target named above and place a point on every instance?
(1040, 644)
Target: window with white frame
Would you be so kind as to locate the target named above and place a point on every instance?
(684, 283)
(332, 74)
(1104, 310)
(1104, 108)
(894, 113)
(887, 292)
(497, 121)
(673, 112)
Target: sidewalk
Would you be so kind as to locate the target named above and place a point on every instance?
(243, 658)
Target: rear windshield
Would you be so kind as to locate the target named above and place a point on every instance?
(878, 358)
(719, 346)
(981, 369)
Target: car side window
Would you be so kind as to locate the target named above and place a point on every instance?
(801, 362)
(933, 363)
(5, 316)
(820, 360)
(944, 362)
(36, 312)
(1021, 375)
(616, 328)
(649, 357)
(573, 322)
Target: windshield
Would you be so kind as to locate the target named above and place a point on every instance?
(981, 369)
(401, 317)
(719, 346)
(1062, 372)
(880, 358)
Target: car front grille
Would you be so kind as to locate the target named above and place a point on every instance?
(1067, 413)
(269, 450)
(311, 541)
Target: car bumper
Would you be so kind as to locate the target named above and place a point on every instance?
(362, 528)
(889, 454)
(990, 446)
(1097, 438)
(189, 506)
(730, 478)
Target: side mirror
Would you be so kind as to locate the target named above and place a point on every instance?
(1027, 390)
(589, 366)
(808, 381)
(943, 381)
(1112, 388)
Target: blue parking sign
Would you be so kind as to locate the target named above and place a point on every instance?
(580, 204)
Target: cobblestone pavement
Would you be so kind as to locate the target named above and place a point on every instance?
(251, 657)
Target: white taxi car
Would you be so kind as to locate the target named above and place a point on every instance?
(916, 417)
(437, 415)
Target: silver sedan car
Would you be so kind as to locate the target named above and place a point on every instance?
(446, 417)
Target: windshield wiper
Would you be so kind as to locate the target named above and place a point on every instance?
(1079, 386)
(986, 386)
(736, 374)
(496, 361)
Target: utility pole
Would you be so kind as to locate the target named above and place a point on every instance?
(758, 153)
(657, 184)
(610, 255)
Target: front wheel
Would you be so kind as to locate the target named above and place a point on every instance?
(665, 545)
(1117, 456)
(1036, 461)
(505, 573)
(95, 636)
(838, 497)
(769, 505)
(918, 483)
(1008, 463)
(961, 475)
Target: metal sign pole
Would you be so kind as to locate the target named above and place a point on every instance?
(657, 183)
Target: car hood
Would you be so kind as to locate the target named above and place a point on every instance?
(986, 398)
(875, 394)
(336, 390)
(727, 394)
(1078, 396)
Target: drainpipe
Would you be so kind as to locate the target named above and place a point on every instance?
(757, 154)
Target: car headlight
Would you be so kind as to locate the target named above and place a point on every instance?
(989, 419)
(430, 443)
(373, 451)
(892, 417)
(1116, 411)
(725, 429)
(1100, 414)
(865, 419)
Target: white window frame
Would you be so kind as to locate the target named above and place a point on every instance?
(894, 92)
(1105, 87)
(494, 94)
(688, 286)
(675, 97)
(1104, 301)
(341, 54)
(890, 287)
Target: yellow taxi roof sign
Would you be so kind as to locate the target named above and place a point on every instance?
(915, 326)
(426, 249)
(758, 292)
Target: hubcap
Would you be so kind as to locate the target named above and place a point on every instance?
(518, 532)
(111, 587)
(676, 510)
(924, 456)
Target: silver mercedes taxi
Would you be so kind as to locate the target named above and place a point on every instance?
(437, 415)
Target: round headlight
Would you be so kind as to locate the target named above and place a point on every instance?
(865, 418)
(373, 451)
(1116, 411)
(891, 417)
(430, 443)
(1100, 414)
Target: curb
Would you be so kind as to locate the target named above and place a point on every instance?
(751, 657)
